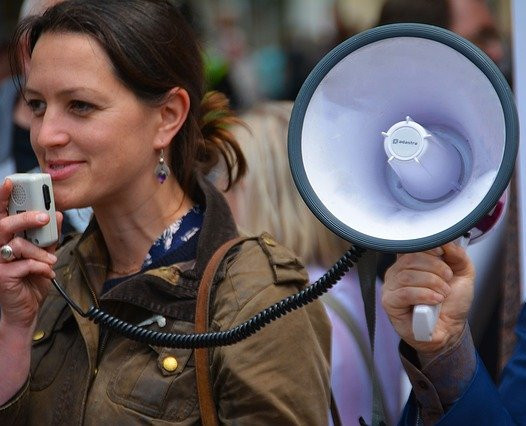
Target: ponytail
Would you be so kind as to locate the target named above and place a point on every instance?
(215, 123)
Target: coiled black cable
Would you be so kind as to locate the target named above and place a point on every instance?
(228, 337)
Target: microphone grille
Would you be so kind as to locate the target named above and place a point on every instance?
(18, 194)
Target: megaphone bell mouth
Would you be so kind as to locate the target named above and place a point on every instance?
(403, 137)
(431, 165)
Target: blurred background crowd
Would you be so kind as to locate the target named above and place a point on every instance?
(264, 49)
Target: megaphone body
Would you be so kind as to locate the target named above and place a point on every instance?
(402, 139)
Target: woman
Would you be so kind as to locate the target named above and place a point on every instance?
(116, 91)
(267, 199)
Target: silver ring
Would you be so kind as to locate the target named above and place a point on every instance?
(6, 251)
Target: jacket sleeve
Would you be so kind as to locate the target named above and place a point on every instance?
(280, 375)
(513, 380)
(14, 411)
(481, 402)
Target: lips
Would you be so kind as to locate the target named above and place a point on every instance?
(60, 170)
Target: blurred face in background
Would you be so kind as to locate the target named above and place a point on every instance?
(472, 19)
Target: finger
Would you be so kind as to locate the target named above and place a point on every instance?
(458, 259)
(5, 193)
(24, 249)
(421, 262)
(25, 267)
(407, 297)
(413, 278)
(13, 224)
(437, 251)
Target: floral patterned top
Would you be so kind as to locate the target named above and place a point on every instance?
(177, 243)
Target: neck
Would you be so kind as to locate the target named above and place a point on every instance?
(131, 226)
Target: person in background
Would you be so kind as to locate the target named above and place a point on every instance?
(452, 382)
(497, 300)
(122, 123)
(471, 19)
(451, 385)
(267, 199)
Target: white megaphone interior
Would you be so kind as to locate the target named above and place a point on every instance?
(366, 93)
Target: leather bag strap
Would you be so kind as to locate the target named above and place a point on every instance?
(207, 405)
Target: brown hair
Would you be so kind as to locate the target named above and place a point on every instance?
(152, 50)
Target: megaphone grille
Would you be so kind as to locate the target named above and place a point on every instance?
(367, 84)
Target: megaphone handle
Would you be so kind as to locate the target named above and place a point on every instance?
(425, 317)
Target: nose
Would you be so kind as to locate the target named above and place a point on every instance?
(49, 130)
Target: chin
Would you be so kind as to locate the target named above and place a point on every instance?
(68, 203)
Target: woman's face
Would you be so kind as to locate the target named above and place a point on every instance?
(90, 133)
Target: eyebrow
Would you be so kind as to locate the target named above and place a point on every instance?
(29, 91)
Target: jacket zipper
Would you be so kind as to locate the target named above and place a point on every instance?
(92, 292)
(90, 373)
(103, 339)
(93, 297)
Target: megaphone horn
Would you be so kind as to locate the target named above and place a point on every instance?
(403, 137)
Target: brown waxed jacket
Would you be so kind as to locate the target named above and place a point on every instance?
(80, 376)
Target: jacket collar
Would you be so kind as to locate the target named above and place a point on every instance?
(218, 224)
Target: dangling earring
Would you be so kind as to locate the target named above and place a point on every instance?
(162, 171)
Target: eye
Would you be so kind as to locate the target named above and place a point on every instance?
(37, 107)
(81, 107)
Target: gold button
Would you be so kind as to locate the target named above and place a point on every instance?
(170, 364)
(269, 241)
(39, 335)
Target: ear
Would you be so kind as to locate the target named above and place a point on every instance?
(173, 114)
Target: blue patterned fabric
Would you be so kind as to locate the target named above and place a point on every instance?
(177, 243)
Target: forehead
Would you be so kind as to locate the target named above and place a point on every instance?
(78, 56)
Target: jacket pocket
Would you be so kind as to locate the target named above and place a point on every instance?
(53, 338)
(154, 381)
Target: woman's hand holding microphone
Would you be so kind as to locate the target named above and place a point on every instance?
(25, 273)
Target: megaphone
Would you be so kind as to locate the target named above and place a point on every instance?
(402, 139)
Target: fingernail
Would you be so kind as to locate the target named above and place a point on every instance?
(52, 257)
(42, 217)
